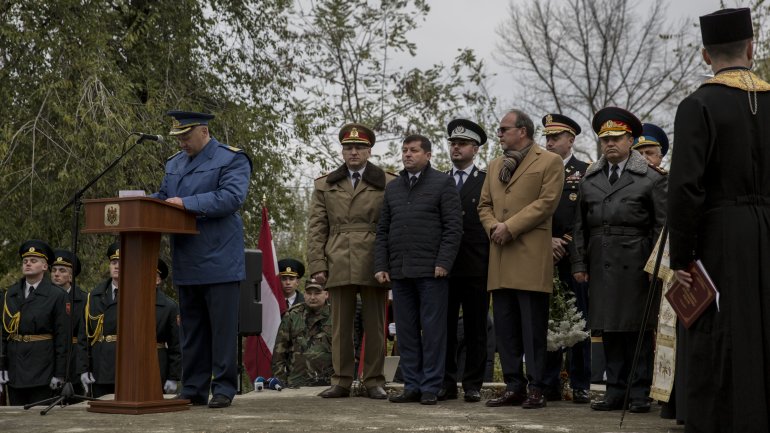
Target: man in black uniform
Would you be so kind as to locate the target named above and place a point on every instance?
(621, 212)
(34, 334)
(101, 330)
(468, 278)
(719, 212)
(167, 334)
(290, 271)
(560, 132)
(65, 267)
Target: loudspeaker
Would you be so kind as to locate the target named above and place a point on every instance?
(250, 311)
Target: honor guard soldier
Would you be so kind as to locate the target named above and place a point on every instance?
(167, 334)
(101, 330)
(211, 180)
(65, 268)
(652, 144)
(468, 279)
(344, 212)
(621, 212)
(290, 271)
(560, 132)
(35, 329)
(303, 346)
(719, 213)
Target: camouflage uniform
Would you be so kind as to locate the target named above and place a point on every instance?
(302, 354)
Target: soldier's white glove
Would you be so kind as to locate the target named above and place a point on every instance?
(169, 387)
(3, 377)
(56, 383)
(86, 379)
(392, 328)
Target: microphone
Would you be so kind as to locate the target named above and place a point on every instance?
(143, 136)
(259, 383)
(274, 383)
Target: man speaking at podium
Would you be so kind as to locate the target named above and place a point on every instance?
(209, 179)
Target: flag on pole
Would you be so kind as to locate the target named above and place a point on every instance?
(259, 349)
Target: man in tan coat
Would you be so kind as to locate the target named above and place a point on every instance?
(343, 221)
(519, 196)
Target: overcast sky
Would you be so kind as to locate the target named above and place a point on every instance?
(455, 24)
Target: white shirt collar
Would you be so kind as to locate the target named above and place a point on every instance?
(292, 298)
(566, 160)
(360, 171)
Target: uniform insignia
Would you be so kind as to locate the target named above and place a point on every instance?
(172, 156)
(31, 249)
(59, 259)
(575, 176)
(548, 119)
(175, 123)
(354, 133)
(458, 130)
(573, 196)
(234, 149)
(660, 170)
(475, 174)
(67, 305)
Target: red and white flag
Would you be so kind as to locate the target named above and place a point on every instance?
(259, 349)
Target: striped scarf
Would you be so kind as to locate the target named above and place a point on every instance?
(511, 160)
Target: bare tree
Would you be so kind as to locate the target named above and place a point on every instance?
(578, 56)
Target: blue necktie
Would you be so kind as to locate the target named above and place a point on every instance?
(460, 182)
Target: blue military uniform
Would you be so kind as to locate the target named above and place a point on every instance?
(208, 266)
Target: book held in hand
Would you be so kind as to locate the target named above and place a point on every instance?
(690, 302)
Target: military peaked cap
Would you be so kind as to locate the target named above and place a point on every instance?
(614, 121)
(36, 248)
(555, 123)
(652, 135)
(463, 129)
(291, 267)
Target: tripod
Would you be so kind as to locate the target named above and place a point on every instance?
(67, 390)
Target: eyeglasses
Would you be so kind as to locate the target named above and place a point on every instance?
(503, 129)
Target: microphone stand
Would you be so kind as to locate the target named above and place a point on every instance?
(67, 391)
(647, 309)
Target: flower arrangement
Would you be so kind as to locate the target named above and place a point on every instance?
(566, 325)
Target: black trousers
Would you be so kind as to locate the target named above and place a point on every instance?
(471, 294)
(619, 348)
(521, 326)
(22, 396)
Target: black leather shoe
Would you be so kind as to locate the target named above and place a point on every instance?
(581, 396)
(193, 400)
(428, 398)
(335, 391)
(605, 405)
(444, 394)
(509, 398)
(377, 393)
(639, 406)
(535, 400)
(406, 397)
(219, 401)
(472, 396)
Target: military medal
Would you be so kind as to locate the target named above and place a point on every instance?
(573, 196)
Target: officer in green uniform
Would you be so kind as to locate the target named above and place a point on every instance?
(34, 334)
(302, 354)
(101, 330)
(167, 334)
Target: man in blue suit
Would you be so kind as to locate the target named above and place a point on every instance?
(211, 180)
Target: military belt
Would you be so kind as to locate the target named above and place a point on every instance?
(619, 231)
(353, 227)
(107, 338)
(30, 338)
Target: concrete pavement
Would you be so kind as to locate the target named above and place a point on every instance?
(301, 411)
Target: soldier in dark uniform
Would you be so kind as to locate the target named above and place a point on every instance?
(167, 334)
(468, 278)
(621, 211)
(290, 271)
(560, 132)
(719, 213)
(211, 180)
(101, 331)
(652, 144)
(65, 267)
(303, 347)
(34, 334)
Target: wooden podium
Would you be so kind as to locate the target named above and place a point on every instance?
(140, 221)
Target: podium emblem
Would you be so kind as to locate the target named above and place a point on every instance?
(111, 214)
